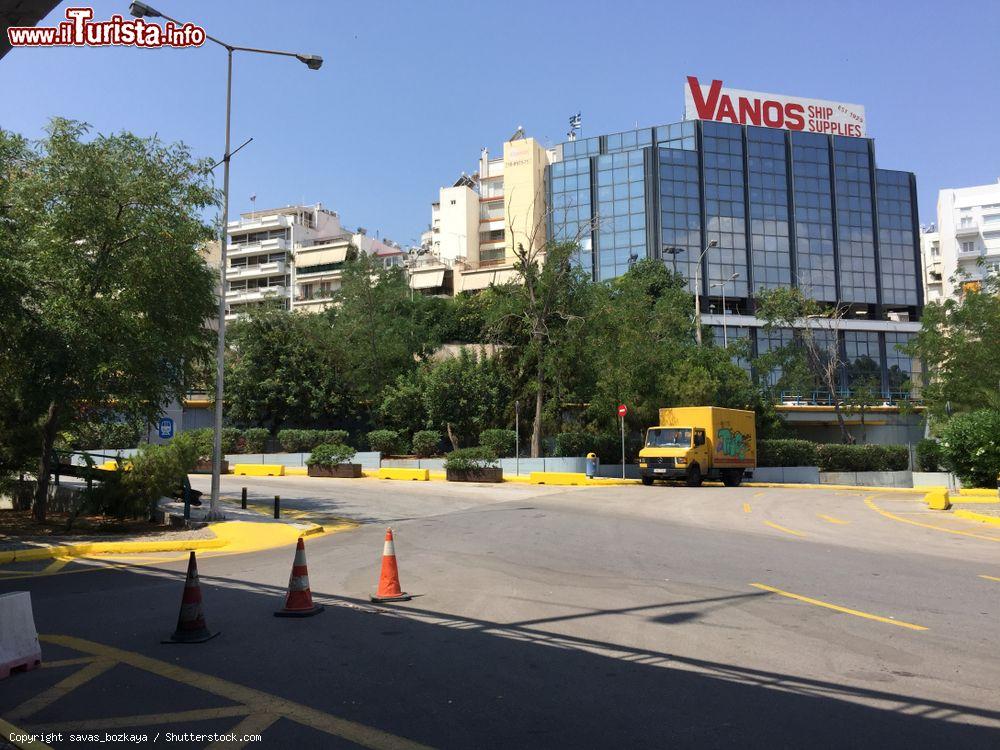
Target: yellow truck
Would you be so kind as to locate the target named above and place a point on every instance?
(698, 442)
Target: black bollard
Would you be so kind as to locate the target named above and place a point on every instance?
(277, 506)
(243, 500)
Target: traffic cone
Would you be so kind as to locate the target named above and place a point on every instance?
(388, 585)
(299, 601)
(191, 626)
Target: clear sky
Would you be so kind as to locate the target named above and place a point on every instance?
(410, 91)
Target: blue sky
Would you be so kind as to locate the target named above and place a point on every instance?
(411, 91)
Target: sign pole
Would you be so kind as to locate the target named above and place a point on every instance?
(622, 411)
(517, 438)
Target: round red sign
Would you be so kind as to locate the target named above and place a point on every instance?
(622, 410)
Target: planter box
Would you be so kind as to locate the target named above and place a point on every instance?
(340, 471)
(493, 474)
(205, 467)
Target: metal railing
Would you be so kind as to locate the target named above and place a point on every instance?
(823, 397)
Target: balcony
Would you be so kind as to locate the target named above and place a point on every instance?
(967, 230)
(268, 221)
(273, 245)
(273, 268)
(243, 296)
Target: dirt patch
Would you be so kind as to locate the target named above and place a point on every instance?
(17, 528)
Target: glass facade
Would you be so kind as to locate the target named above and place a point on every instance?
(784, 208)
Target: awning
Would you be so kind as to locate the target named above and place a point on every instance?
(427, 279)
(472, 281)
(321, 255)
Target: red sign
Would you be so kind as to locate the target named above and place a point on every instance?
(713, 102)
(622, 410)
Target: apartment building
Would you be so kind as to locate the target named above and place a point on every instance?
(965, 246)
(294, 257)
(478, 222)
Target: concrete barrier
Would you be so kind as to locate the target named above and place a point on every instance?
(259, 470)
(936, 479)
(19, 649)
(786, 474)
(868, 478)
(416, 475)
(937, 499)
(557, 478)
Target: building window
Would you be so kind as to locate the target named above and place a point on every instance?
(855, 223)
(897, 241)
(768, 182)
(814, 254)
(899, 365)
(680, 211)
(724, 208)
(621, 212)
(864, 362)
(968, 247)
(569, 195)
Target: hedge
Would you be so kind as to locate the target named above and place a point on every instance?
(386, 442)
(501, 442)
(301, 441)
(328, 455)
(466, 459)
(426, 443)
(971, 448)
(786, 453)
(929, 457)
(608, 447)
(839, 457)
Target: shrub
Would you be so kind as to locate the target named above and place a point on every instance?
(501, 442)
(466, 459)
(386, 442)
(608, 447)
(331, 436)
(837, 457)
(300, 441)
(786, 453)
(232, 441)
(107, 433)
(971, 448)
(255, 439)
(426, 442)
(328, 455)
(290, 440)
(929, 455)
(155, 472)
(203, 440)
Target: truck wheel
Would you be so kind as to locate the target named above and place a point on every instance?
(694, 477)
(732, 477)
(648, 481)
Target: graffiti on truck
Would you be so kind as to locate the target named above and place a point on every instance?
(732, 443)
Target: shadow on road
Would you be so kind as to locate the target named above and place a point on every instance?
(456, 682)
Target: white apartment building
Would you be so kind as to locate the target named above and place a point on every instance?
(965, 247)
(293, 256)
(478, 221)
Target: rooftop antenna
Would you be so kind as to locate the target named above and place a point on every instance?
(253, 204)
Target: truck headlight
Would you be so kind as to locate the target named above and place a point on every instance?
(643, 465)
(680, 461)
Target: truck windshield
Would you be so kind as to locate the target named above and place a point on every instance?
(668, 437)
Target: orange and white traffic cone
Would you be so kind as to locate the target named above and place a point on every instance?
(191, 626)
(299, 601)
(388, 585)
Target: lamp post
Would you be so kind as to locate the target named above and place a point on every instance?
(697, 284)
(722, 285)
(313, 62)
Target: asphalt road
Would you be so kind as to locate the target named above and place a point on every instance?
(543, 618)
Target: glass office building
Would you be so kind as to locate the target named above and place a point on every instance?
(784, 208)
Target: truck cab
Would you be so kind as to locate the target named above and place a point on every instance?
(669, 452)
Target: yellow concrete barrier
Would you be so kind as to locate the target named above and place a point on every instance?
(937, 499)
(417, 475)
(259, 470)
(296, 471)
(556, 477)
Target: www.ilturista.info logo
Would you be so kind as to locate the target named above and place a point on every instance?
(80, 31)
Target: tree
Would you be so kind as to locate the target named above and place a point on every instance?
(101, 239)
(465, 395)
(812, 360)
(285, 369)
(959, 346)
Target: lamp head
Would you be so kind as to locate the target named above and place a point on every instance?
(313, 62)
(140, 10)
(713, 243)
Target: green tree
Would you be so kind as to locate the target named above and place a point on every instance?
(959, 347)
(109, 292)
(285, 368)
(465, 395)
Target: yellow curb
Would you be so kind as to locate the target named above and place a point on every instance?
(961, 500)
(859, 487)
(437, 476)
(979, 492)
(519, 478)
(970, 516)
(296, 471)
(107, 548)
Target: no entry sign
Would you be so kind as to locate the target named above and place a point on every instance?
(622, 410)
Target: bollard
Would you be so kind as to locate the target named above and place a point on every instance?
(243, 500)
(277, 506)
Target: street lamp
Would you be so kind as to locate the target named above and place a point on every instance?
(722, 285)
(313, 62)
(697, 284)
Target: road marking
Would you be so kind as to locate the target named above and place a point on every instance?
(838, 608)
(990, 578)
(887, 514)
(256, 701)
(67, 662)
(252, 724)
(782, 528)
(147, 720)
(56, 565)
(759, 494)
(61, 688)
(746, 507)
(10, 731)
(831, 519)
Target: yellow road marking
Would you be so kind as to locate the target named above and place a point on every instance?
(252, 724)
(887, 514)
(258, 702)
(990, 578)
(10, 731)
(838, 608)
(61, 688)
(146, 720)
(782, 528)
(759, 494)
(56, 565)
(831, 519)
(67, 662)
(746, 507)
